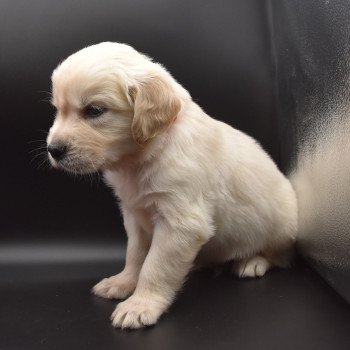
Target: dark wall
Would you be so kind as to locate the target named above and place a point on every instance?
(312, 49)
(219, 50)
(311, 44)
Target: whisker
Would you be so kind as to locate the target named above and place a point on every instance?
(96, 172)
(37, 156)
(33, 141)
(46, 100)
(44, 162)
(45, 92)
(38, 149)
(41, 130)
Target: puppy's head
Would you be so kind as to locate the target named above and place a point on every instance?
(111, 102)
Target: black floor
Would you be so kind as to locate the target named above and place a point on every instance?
(51, 308)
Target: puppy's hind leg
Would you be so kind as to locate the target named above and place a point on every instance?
(255, 266)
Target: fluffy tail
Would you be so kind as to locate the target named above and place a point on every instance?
(321, 180)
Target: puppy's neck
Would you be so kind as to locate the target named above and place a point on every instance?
(142, 157)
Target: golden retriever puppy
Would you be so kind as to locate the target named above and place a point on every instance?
(193, 190)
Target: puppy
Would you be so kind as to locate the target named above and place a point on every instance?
(193, 191)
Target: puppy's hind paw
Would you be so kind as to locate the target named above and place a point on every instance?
(251, 267)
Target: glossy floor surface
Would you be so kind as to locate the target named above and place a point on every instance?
(50, 307)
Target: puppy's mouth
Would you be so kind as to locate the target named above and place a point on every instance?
(75, 164)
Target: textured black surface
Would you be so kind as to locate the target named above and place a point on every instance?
(312, 59)
(311, 49)
(286, 309)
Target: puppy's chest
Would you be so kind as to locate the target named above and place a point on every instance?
(133, 192)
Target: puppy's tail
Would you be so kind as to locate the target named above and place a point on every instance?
(321, 180)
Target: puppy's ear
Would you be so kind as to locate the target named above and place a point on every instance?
(156, 106)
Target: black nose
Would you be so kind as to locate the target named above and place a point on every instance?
(57, 150)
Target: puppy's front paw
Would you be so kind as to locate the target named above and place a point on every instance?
(118, 287)
(137, 312)
(252, 267)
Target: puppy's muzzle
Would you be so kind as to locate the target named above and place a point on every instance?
(57, 150)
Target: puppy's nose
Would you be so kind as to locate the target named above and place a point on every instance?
(57, 150)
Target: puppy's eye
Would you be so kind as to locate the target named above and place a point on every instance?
(93, 111)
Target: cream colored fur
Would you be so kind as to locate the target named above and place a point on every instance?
(192, 190)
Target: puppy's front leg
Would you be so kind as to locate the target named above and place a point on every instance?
(173, 250)
(123, 284)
